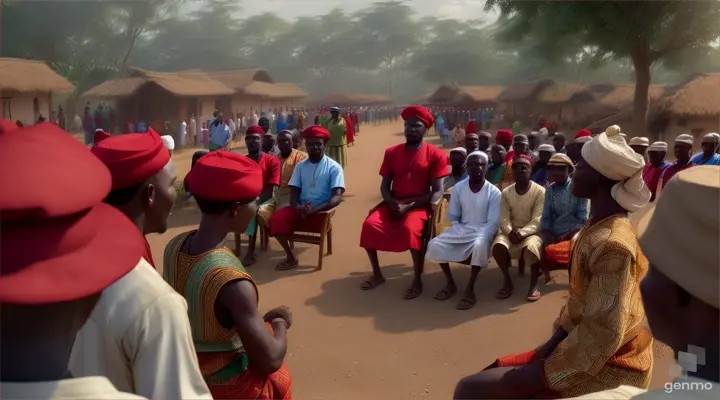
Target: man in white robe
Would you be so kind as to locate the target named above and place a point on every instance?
(474, 211)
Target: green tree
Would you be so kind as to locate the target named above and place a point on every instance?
(646, 32)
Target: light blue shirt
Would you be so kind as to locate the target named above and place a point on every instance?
(317, 180)
(219, 134)
(699, 159)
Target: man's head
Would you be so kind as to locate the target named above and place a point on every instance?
(285, 142)
(545, 151)
(484, 140)
(335, 112)
(559, 168)
(710, 143)
(458, 157)
(683, 148)
(472, 142)
(225, 185)
(217, 114)
(639, 144)
(656, 153)
(264, 123)
(254, 139)
(558, 141)
(521, 145)
(534, 140)
(574, 148)
(417, 121)
(297, 139)
(497, 154)
(476, 166)
(504, 137)
(609, 164)
(143, 178)
(679, 236)
(521, 168)
(315, 139)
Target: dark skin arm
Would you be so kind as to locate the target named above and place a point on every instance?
(265, 350)
(295, 197)
(334, 201)
(266, 193)
(435, 195)
(548, 347)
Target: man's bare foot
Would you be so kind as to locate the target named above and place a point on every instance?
(414, 291)
(447, 292)
(372, 283)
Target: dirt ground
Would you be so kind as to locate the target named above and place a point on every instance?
(352, 344)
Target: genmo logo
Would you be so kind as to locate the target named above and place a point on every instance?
(688, 362)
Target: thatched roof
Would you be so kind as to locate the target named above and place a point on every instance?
(696, 97)
(523, 91)
(623, 95)
(563, 92)
(184, 84)
(18, 75)
(478, 94)
(274, 90)
(239, 79)
(443, 94)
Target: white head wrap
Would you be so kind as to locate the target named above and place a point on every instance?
(168, 141)
(685, 138)
(477, 153)
(658, 146)
(547, 147)
(460, 149)
(613, 158)
(639, 141)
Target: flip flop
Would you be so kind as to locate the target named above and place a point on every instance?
(466, 303)
(252, 260)
(371, 283)
(534, 296)
(504, 293)
(412, 293)
(286, 266)
(445, 294)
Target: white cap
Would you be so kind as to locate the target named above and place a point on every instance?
(639, 141)
(658, 146)
(685, 138)
(168, 141)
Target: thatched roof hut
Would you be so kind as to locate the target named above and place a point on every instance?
(181, 84)
(618, 100)
(478, 96)
(545, 91)
(27, 76)
(699, 96)
(443, 94)
(523, 91)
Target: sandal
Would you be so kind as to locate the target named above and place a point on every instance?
(372, 283)
(445, 294)
(504, 293)
(534, 295)
(412, 293)
(466, 303)
(286, 266)
(249, 260)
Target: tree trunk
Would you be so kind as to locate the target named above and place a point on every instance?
(126, 58)
(641, 63)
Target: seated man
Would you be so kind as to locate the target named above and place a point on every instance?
(317, 184)
(484, 142)
(474, 211)
(540, 168)
(240, 352)
(574, 148)
(563, 216)
(270, 167)
(520, 213)
(457, 168)
(412, 180)
(289, 158)
(498, 173)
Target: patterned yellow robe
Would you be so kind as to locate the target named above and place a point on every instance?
(522, 213)
(608, 342)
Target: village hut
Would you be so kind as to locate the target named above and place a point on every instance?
(476, 97)
(443, 95)
(691, 107)
(615, 106)
(26, 89)
(159, 97)
(555, 101)
(254, 89)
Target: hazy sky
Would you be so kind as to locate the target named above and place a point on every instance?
(290, 9)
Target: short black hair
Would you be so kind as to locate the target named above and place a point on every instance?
(121, 197)
(212, 207)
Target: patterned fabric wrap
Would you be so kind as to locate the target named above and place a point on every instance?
(559, 252)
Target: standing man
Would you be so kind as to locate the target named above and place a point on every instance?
(655, 167)
(316, 185)
(219, 133)
(153, 333)
(484, 142)
(472, 142)
(710, 144)
(192, 130)
(474, 211)
(520, 212)
(602, 340)
(412, 181)
(337, 146)
(88, 126)
(558, 141)
(683, 150)
(44, 304)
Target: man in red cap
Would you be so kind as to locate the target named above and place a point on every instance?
(240, 352)
(316, 185)
(154, 322)
(78, 247)
(412, 180)
(504, 137)
(270, 167)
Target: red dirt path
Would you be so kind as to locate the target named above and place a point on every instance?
(351, 344)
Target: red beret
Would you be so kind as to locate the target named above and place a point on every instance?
(100, 135)
(55, 226)
(225, 176)
(504, 136)
(316, 131)
(255, 130)
(420, 113)
(132, 158)
(7, 126)
(582, 133)
(523, 158)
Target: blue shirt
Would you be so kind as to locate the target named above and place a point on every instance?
(698, 159)
(219, 134)
(563, 212)
(316, 181)
(540, 177)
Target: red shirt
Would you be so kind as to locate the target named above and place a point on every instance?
(270, 167)
(412, 172)
(672, 170)
(651, 175)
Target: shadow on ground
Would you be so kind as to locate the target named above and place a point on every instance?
(392, 314)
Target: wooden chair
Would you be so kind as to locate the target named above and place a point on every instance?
(317, 238)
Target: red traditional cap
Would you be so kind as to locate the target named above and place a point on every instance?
(55, 231)
(420, 113)
(471, 127)
(100, 135)
(582, 133)
(132, 158)
(316, 131)
(504, 136)
(225, 176)
(522, 158)
(7, 126)
(255, 130)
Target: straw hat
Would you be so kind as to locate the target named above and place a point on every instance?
(681, 232)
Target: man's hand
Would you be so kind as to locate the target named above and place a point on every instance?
(515, 237)
(281, 312)
(305, 209)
